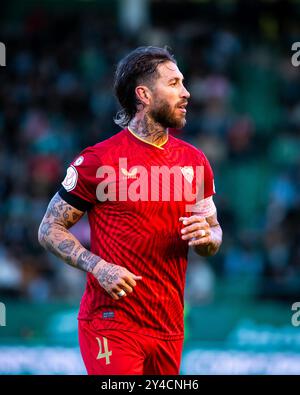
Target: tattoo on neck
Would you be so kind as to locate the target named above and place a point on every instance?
(149, 130)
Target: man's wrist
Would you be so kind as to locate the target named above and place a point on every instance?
(98, 267)
(209, 249)
(206, 250)
(87, 261)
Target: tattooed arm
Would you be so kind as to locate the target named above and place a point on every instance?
(54, 236)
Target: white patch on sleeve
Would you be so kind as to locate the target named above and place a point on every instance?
(78, 161)
(205, 207)
(70, 181)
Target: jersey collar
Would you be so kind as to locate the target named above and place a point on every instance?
(161, 147)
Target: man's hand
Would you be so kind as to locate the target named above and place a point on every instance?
(204, 234)
(115, 279)
(197, 230)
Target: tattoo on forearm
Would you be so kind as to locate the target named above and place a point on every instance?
(66, 246)
(87, 261)
(51, 248)
(78, 248)
(54, 234)
(56, 238)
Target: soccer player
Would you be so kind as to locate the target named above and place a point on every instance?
(149, 196)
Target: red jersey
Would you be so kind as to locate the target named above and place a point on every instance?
(134, 210)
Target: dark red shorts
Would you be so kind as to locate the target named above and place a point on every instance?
(111, 351)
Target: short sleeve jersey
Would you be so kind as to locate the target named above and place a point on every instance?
(135, 193)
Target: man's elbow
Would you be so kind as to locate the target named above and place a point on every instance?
(43, 232)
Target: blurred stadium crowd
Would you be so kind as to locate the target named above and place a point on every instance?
(56, 98)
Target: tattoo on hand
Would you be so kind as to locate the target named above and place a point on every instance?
(109, 274)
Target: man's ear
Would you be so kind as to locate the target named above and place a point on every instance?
(143, 94)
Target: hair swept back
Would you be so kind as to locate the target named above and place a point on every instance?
(139, 66)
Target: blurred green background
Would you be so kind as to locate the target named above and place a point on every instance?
(244, 113)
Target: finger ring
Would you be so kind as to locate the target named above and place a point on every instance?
(203, 233)
(121, 293)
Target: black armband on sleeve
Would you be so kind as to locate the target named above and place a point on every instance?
(74, 200)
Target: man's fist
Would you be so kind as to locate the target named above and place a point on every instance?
(196, 230)
(116, 280)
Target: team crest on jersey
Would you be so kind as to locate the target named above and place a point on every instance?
(70, 181)
(78, 161)
(188, 173)
(129, 174)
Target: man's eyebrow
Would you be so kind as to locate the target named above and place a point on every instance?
(176, 79)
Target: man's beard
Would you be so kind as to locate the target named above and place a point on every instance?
(163, 114)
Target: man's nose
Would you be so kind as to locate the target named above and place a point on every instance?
(185, 93)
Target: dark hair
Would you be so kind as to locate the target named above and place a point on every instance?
(139, 66)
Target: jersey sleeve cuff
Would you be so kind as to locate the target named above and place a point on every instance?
(74, 200)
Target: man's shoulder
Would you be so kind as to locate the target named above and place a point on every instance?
(95, 154)
(106, 146)
(110, 142)
(188, 148)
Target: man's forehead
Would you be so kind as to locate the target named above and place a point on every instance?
(169, 70)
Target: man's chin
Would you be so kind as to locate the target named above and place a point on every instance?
(179, 124)
(175, 123)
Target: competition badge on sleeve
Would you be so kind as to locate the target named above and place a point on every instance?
(70, 181)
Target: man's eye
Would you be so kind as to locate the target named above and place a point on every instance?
(173, 83)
